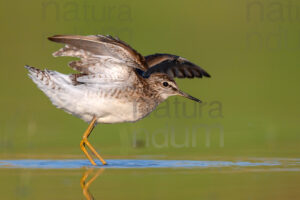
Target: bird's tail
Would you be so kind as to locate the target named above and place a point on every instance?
(52, 83)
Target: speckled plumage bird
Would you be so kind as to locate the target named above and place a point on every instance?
(114, 84)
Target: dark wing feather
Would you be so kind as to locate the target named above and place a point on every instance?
(104, 46)
(174, 66)
(154, 59)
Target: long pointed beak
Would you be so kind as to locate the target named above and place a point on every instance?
(181, 93)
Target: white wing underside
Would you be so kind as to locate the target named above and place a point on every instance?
(101, 77)
(99, 71)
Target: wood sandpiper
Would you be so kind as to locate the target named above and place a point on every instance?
(114, 84)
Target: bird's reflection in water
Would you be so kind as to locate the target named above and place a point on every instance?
(85, 184)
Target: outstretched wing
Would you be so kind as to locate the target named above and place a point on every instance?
(100, 55)
(174, 66)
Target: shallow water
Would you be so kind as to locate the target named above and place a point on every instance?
(75, 164)
(150, 179)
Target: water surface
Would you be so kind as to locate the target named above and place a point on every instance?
(122, 163)
(150, 179)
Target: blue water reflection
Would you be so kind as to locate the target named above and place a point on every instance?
(122, 163)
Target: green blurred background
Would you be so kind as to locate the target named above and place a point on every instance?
(251, 49)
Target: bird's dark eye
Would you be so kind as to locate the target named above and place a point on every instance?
(165, 84)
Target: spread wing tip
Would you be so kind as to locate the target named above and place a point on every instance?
(204, 73)
(67, 38)
(174, 66)
(55, 38)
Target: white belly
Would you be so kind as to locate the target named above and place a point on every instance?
(115, 111)
(107, 110)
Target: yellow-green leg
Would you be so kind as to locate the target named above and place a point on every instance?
(85, 141)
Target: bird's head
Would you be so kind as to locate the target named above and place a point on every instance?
(166, 86)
